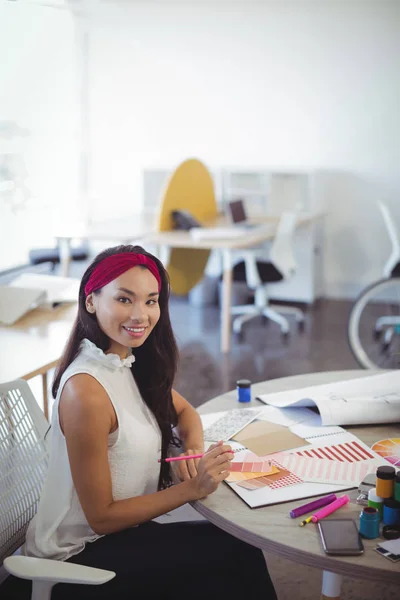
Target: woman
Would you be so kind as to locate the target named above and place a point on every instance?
(113, 419)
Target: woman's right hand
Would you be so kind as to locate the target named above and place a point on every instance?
(213, 468)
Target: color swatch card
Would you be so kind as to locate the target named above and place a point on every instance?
(389, 449)
(230, 423)
(281, 479)
(264, 437)
(244, 476)
(321, 470)
(256, 466)
(390, 550)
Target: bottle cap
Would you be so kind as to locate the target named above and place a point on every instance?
(243, 383)
(391, 503)
(385, 472)
(373, 496)
(370, 512)
(398, 477)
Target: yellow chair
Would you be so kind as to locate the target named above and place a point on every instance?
(189, 188)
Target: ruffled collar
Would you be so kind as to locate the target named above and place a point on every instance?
(113, 361)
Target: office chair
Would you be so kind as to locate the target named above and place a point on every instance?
(24, 457)
(257, 275)
(392, 266)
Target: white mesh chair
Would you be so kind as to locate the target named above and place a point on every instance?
(392, 266)
(23, 464)
(257, 274)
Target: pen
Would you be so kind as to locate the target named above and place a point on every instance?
(312, 506)
(327, 510)
(187, 456)
(174, 458)
(308, 520)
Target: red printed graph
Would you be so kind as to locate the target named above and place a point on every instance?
(347, 452)
(389, 450)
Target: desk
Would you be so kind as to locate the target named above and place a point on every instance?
(250, 238)
(270, 528)
(143, 228)
(34, 344)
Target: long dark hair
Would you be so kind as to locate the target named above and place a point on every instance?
(156, 360)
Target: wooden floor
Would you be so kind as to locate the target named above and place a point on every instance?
(204, 372)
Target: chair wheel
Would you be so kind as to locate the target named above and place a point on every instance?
(301, 325)
(239, 337)
(285, 336)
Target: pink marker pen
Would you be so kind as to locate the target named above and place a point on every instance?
(327, 510)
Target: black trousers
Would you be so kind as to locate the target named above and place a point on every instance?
(189, 560)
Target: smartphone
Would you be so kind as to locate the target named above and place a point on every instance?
(340, 537)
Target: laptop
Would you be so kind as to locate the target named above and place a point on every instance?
(238, 215)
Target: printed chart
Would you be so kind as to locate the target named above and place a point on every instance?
(348, 452)
(389, 449)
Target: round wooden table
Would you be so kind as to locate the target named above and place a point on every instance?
(271, 528)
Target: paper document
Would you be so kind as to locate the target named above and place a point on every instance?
(391, 546)
(287, 416)
(57, 289)
(374, 399)
(230, 423)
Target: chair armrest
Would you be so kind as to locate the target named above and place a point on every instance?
(58, 571)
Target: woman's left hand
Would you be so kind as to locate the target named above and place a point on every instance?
(187, 469)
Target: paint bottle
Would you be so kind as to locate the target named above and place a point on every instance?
(243, 387)
(375, 501)
(369, 522)
(397, 487)
(391, 512)
(385, 481)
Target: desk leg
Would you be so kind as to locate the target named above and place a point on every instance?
(226, 302)
(45, 396)
(64, 245)
(331, 584)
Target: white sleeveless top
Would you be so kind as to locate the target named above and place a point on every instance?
(60, 529)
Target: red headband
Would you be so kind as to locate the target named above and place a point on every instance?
(113, 266)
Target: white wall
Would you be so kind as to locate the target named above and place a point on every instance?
(38, 92)
(281, 84)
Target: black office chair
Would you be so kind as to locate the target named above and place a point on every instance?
(52, 255)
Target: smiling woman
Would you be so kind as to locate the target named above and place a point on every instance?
(106, 313)
(127, 308)
(114, 418)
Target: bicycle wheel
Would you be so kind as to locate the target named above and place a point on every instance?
(374, 326)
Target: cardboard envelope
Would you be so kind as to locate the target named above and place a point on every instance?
(264, 437)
